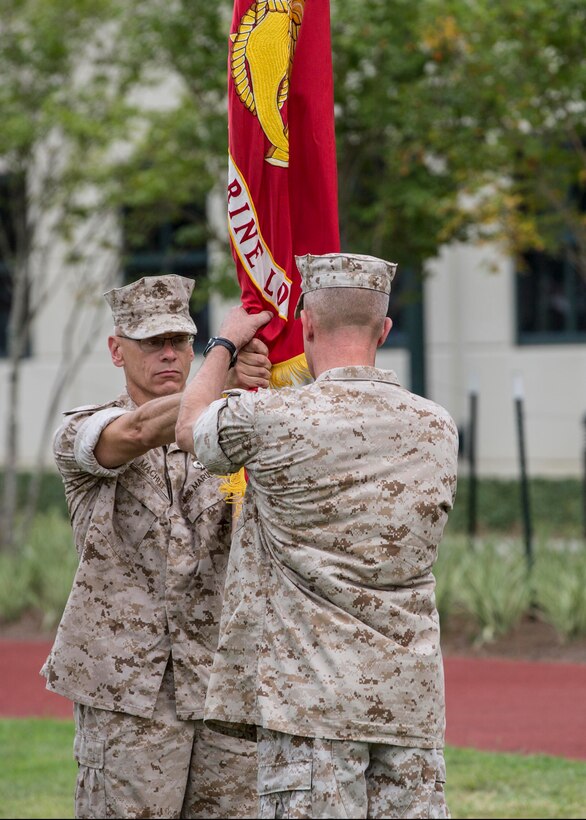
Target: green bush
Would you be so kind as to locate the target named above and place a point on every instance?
(38, 575)
(486, 581)
(51, 494)
(495, 588)
(448, 572)
(15, 586)
(559, 578)
(556, 507)
(490, 583)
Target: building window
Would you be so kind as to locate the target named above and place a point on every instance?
(12, 214)
(404, 302)
(5, 304)
(551, 301)
(156, 248)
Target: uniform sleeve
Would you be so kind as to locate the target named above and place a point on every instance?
(86, 439)
(224, 437)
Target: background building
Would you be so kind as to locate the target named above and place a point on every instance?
(486, 329)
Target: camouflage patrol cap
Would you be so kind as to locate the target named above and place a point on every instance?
(153, 305)
(343, 270)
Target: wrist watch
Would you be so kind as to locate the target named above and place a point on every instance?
(230, 346)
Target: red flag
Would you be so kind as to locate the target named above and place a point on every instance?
(282, 185)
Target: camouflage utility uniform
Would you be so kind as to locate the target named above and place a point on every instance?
(135, 644)
(329, 640)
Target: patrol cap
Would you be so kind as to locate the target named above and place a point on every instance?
(153, 305)
(343, 270)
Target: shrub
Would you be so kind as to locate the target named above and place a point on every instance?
(448, 571)
(39, 574)
(495, 587)
(556, 507)
(15, 584)
(51, 494)
(559, 579)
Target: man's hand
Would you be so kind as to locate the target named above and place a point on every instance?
(253, 367)
(240, 327)
(210, 380)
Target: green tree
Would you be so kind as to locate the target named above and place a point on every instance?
(107, 105)
(459, 120)
(462, 119)
(62, 103)
(180, 152)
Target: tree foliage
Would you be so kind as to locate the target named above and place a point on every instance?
(463, 119)
(61, 99)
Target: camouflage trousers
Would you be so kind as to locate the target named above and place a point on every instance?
(301, 777)
(160, 767)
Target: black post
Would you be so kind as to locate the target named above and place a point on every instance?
(472, 481)
(415, 327)
(584, 479)
(524, 482)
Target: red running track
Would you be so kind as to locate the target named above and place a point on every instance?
(495, 705)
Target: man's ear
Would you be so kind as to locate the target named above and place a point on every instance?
(116, 351)
(388, 323)
(307, 324)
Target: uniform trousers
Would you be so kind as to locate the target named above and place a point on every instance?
(130, 766)
(302, 777)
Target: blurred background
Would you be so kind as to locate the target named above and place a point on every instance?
(461, 146)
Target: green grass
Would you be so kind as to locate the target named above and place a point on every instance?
(37, 778)
(37, 770)
(486, 784)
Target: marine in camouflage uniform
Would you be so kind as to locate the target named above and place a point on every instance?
(329, 645)
(136, 641)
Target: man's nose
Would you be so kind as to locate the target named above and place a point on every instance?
(168, 351)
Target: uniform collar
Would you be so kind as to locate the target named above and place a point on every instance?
(359, 373)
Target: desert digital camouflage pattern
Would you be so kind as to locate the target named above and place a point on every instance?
(136, 640)
(152, 305)
(153, 538)
(343, 270)
(313, 777)
(160, 767)
(330, 627)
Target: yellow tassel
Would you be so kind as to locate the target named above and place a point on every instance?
(233, 487)
(292, 373)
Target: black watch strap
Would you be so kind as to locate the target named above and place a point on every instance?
(230, 346)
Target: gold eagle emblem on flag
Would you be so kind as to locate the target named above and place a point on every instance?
(260, 63)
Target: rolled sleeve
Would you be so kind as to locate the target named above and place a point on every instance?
(206, 442)
(88, 436)
(223, 437)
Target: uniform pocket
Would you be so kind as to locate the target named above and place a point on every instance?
(438, 809)
(125, 519)
(90, 790)
(285, 790)
(425, 791)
